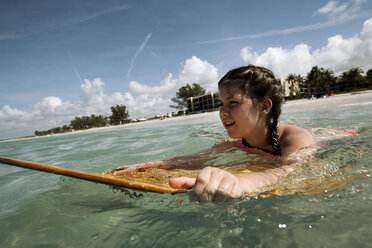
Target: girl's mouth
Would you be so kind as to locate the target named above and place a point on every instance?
(229, 123)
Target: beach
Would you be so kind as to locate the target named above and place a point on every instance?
(288, 106)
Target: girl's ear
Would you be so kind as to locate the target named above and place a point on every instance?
(266, 105)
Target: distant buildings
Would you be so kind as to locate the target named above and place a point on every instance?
(204, 103)
(295, 89)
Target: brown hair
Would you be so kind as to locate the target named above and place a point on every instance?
(259, 83)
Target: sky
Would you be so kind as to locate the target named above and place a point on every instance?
(65, 58)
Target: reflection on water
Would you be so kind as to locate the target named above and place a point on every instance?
(43, 210)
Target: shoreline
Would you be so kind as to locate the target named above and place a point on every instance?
(289, 105)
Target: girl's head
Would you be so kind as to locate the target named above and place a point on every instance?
(259, 85)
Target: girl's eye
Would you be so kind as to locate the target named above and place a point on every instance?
(220, 104)
(233, 103)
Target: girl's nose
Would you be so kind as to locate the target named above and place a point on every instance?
(223, 111)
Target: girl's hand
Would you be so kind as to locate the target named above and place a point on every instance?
(211, 184)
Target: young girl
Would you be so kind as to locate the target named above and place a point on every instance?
(250, 106)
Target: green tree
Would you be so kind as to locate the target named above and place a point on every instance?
(369, 73)
(352, 78)
(320, 81)
(119, 115)
(56, 130)
(369, 77)
(328, 80)
(97, 121)
(65, 128)
(186, 92)
(77, 123)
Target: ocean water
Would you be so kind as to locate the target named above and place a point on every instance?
(44, 210)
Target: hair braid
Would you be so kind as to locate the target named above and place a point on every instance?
(273, 129)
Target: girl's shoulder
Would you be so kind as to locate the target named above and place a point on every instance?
(231, 142)
(226, 144)
(293, 138)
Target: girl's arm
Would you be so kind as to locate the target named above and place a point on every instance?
(214, 184)
(194, 160)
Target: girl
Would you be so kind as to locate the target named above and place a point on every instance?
(250, 106)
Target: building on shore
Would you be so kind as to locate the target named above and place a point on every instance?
(205, 103)
(294, 89)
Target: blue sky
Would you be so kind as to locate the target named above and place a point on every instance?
(61, 59)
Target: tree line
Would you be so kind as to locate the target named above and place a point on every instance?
(320, 81)
(119, 115)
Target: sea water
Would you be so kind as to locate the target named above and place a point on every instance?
(44, 210)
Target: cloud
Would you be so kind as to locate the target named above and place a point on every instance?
(339, 54)
(335, 13)
(166, 85)
(137, 53)
(5, 36)
(73, 66)
(60, 20)
(52, 111)
(194, 70)
(103, 12)
(332, 8)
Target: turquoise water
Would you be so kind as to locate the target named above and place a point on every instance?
(43, 210)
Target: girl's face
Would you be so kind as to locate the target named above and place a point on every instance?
(240, 117)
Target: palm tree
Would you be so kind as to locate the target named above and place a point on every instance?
(369, 77)
(313, 79)
(328, 80)
(353, 76)
(291, 80)
(301, 84)
(320, 80)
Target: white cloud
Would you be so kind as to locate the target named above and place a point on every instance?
(194, 70)
(332, 8)
(339, 54)
(340, 12)
(334, 13)
(165, 85)
(201, 72)
(51, 111)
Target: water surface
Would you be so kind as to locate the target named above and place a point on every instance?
(43, 210)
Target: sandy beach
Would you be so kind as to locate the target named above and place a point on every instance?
(344, 99)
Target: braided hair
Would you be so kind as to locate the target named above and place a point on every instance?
(259, 84)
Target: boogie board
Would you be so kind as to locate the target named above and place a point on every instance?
(156, 179)
(105, 178)
(149, 179)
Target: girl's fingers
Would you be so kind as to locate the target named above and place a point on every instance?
(213, 184)
(119, 170)
(221, 196)
(224, 189)
(212, 187)
(202, 180)
(125, 168)
(182, 182)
